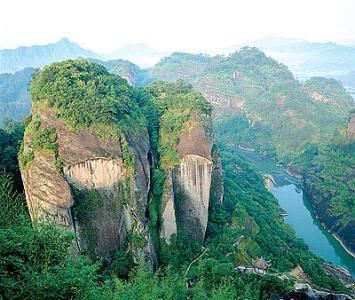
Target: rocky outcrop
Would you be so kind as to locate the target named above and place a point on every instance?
(223, 102)
(305, 291)
(344, 233)
(351, 128)
(169, 226)
(343, 275)
(193, 183)
(48, 194)
(95, 196)
(104, 205)
(269, 181)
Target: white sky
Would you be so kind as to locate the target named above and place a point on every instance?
(193, 25)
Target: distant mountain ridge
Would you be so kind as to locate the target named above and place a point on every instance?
(292, 113)
(210, 73)
(306, 59)
(14, 95)
(12, 60)
(140, 54)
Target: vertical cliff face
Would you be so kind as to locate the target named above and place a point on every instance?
(168, 227)
(48, 194)
(87, 158)
(351, 127)
(194, 182)
(82, 164)
(94, 196)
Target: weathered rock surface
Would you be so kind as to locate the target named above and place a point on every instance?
(48, 194)
(345, 233)
(169, 227)
(107, 204)
(351, 127)
(305, 291)
(193, 183)
(341, 274)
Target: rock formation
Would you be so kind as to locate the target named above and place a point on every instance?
(95, 196)
(351, 127)
(305, 291)
(89, 171)
(193, 183)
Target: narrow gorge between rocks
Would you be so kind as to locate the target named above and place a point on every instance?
(300, 215)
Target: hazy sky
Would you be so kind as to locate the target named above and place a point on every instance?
(193, 25)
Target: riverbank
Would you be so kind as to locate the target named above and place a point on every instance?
(301, 214)
(342, 244)
(325, 226)
(294, 171)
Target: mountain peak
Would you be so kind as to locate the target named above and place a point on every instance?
(64, 40)
(12, 60)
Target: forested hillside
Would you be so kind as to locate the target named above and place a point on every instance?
(285, 111)
(14, 95)
(246, 226)
(124, 68)
(260, 105)
(165, 127)
(259, 97)
(307, 59)
(329, 179)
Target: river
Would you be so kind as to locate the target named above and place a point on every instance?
(300, 213)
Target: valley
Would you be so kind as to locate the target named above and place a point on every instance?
(177, 150)
(142, 168)
(300, 213)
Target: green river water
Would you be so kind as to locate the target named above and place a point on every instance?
(300, 213)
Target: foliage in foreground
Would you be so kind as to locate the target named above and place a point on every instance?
(34, 260)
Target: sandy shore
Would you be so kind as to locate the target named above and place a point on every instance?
(341, 243)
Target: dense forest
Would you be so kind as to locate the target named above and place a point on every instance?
(287, 113)
(36, 258)
(37, 268)
(327, 169)
(14, 96)
(329, 180)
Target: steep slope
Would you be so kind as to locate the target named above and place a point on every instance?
(124, 68)
(329, 180)
(14, 95)
(12, 60)
(348, 79)
(89, 151)
(307, 59)
(81, 166)
(187, 157)
(85, 160)
(274, 113)
(290, 113)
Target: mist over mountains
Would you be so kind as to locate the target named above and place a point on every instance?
(144, 170)
(132, 61)
(305, 59)
(140, 54)
(12, 60)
